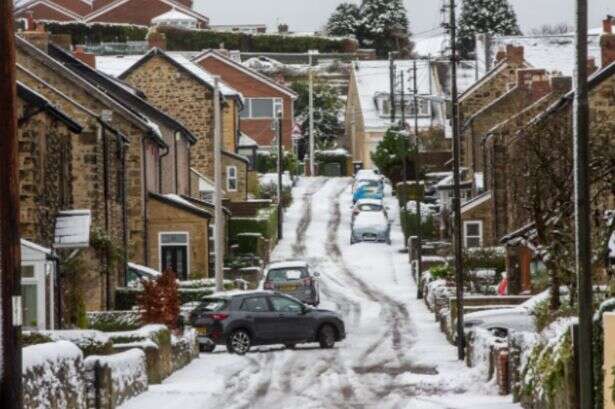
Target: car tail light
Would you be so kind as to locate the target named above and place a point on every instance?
(219, 316)
(268, 285)
(307, 281)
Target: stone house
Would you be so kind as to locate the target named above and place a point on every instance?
(113, 164)
(44, 136)
(169, 243)
(521, 233)
(494, 85)
(137, 12)
(263, 97)
(184, 91)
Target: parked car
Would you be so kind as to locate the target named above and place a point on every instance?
(294, 278)
(369, 205)
(368, 189)
(504, 320)
(371, 226)
(241, 320)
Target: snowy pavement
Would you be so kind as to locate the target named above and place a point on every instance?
(394, 355)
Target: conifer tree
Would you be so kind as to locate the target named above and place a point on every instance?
(384, 26)
(485, 17)
(344, 20)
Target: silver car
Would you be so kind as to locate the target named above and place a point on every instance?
(294, 278)
(371, 226)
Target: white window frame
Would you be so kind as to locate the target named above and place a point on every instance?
(480, 232)
(277, 105)
(39, 281)
(229, 178)
(384, 103)
(161, 245)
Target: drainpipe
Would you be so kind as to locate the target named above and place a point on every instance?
(124, 211)
(175, 140)
(106, 194)
(145, 201)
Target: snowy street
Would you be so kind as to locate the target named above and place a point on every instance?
(394, 355)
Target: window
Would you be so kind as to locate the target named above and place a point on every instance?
(231, 178)
(174, 253)
(282, 275)
(385, 106)
(282, 304)
(257, 304)
(264, 108)
(473, 233)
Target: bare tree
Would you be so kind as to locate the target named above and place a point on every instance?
(553, 29)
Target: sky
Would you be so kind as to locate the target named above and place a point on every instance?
(310, 15)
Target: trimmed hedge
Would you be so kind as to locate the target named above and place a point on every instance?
(410, 222)
(179, 39)
(266, 223)
(324, 158)
(98, 33)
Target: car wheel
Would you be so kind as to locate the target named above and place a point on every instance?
(326, 337)
(239, 342)
(290, 346)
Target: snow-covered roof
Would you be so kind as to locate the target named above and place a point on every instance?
(143, 269)
(173, 15)
(72, 229)
(430, 45)
(206, 185)
(476, 201)
(554, 53)
(376, 202)
(372, 78)
(120, 65)
(246, 142)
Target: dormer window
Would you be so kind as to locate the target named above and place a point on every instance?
(384, 106)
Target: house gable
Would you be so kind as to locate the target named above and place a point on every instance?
(47, 10)
(140, 12)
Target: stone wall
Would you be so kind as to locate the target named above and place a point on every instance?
(53, 376)
(241, 193)
(44, 175)
(179, 95)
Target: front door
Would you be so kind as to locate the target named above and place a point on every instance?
(176, 258)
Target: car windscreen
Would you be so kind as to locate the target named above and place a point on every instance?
(213, 304)
(286, 274)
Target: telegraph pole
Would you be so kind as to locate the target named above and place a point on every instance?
(280, 171)
(456, 200)
(419, 233)
(392, 85)
(582, 211)
(311, 111)
(10, 257)
(219, 215)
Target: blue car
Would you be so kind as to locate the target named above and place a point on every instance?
(368, 190)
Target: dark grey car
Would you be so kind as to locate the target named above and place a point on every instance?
(295, 278)
(241, 320)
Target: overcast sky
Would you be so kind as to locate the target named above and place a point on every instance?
(309, 15)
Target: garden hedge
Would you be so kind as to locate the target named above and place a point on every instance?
(179, 39)
(266, 223)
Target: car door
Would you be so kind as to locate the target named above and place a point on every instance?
(292, 321)
(257, 311)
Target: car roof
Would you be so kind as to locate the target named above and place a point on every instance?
(287, 264)
(236, 293)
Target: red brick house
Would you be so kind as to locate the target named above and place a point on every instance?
(263, 96)
(138, 12)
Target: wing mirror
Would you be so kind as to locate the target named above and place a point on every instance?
(316, 274)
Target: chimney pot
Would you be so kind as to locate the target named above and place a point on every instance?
(607, 48)
(514, 54)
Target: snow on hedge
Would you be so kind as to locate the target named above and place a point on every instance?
(88, 341)
(128, 372)
(53, 375)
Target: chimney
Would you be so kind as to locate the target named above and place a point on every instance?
(37, 36)
(156, 39)
(223, 51)
(607, 42)
(514, 55)
(86, 58)
(30, 22)
(500, 56)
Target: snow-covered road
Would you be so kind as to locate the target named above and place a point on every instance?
(393, 357)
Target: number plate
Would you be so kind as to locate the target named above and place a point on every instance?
(288, 287)
(201, 331)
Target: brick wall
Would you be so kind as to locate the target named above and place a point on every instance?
(258, 129)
